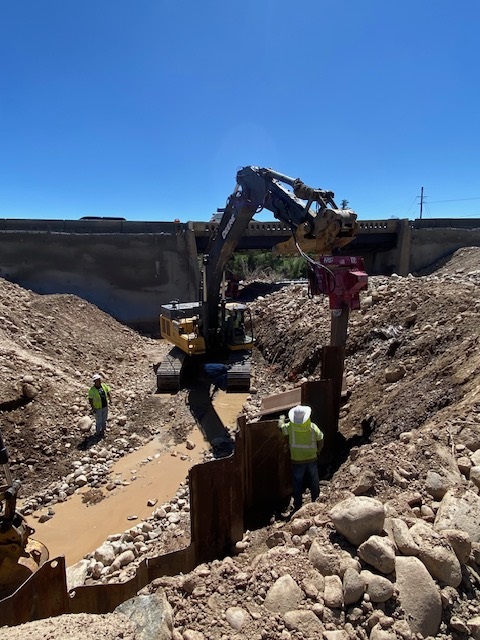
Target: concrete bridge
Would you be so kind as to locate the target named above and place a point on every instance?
(129, 269)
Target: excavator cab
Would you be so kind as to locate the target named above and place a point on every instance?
(237, 319)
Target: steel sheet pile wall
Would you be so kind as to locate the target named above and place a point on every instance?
(224, 495)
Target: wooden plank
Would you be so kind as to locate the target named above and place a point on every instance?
(280, 401)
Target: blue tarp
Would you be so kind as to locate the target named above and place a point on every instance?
(214, 369)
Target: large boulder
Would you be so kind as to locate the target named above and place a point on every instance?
(402, 537)
(77, 574)
(379, 553)
(313, 584)
(237, 617)
(379, 633)
(378, 588)
(437, 484)
(358, 518)
(105, 554)
(353, 586)
(469, 437)
(437, 554)
(284, 595)
(445, 475)
(474, 627)
(85, 423)
(325, 561)
(151, 615)
(460, 509)
(461, 543)
(333, 593)
(474, 475)
(305, 622)
(419, 596)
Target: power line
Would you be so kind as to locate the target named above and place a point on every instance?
(413, 202)
(455, 200)
(424, 204)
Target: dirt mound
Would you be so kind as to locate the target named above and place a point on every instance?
(50, 347)
(412, 354)
(420, 323)
(463, 261)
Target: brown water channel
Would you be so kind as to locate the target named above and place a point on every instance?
(78, 528)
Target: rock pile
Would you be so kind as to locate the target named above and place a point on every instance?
(92, 470)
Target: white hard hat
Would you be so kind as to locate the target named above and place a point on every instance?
(96, 376)
(299, 414)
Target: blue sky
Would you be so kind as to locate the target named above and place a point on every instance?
(146, 109)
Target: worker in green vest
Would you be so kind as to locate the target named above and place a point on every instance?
(305, 440)
(99, 398)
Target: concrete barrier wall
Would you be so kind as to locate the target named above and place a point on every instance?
(428, 245)
(127, 275)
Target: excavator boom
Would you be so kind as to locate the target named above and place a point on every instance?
(325, 226)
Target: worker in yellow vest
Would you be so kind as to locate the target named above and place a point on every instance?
(99, 398)
(305, 440)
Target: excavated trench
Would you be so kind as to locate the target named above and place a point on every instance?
(152, 472)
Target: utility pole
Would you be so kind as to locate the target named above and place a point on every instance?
(421, 203)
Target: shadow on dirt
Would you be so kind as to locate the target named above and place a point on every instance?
(11, 405)
(201, 408)
(89, 441)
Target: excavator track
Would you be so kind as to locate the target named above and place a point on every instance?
(238, 374)
(169, 371)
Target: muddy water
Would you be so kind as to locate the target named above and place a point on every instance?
(78, 528)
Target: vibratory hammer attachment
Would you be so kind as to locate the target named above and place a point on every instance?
(341, 278)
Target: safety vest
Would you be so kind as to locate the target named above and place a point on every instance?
(94, 395)
(303, 440)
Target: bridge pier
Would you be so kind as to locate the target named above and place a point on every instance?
(403, 247)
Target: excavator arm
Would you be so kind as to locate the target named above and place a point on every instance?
(311, 214)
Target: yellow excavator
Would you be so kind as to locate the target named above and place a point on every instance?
(214, 329)
(20, 555)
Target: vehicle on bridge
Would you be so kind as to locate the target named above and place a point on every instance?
(101, 218)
